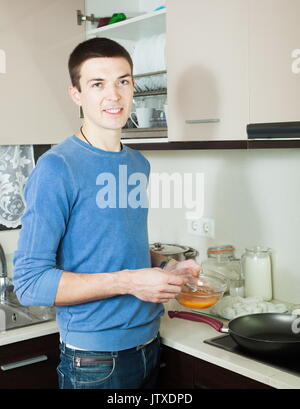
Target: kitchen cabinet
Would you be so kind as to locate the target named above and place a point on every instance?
(37, 37)
(182, 371)
(207, 63)
(30, 364)
(274, 51)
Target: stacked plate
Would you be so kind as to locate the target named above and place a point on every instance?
(148, 57)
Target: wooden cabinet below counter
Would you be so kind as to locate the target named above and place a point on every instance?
(30, 364)
(183, 371)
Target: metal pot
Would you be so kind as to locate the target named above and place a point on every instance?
(174, 251)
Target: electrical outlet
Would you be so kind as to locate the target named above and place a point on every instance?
(202, 227)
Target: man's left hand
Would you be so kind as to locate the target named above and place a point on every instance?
(188, 267)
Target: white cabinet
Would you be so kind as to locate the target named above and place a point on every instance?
(274, 77)
(36, 39)
(207, 62)
(229, 63)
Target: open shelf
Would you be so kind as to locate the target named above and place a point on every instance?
(134, 28)
(129, 133)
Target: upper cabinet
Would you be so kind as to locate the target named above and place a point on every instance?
(227, 64)
(274, 51)
(143, 20)
(36, 39)
(207, 62)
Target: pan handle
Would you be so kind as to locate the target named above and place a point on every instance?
(217, 325)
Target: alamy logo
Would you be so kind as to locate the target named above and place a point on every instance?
(164, 190)
(296, 325)
(296, 61)
(2, 62)
(107, 195)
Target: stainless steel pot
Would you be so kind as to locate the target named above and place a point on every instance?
(174, 251)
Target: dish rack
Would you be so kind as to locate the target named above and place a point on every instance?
(147, 87)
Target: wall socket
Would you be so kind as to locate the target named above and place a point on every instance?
(202, 227)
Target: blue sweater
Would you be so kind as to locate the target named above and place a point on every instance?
(77, 219)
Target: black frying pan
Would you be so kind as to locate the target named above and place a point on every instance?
(271, 334)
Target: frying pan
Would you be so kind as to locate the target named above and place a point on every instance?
(268, 334)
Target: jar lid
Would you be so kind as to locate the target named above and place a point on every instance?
(259, 250)
(168, 249)
(221, 249)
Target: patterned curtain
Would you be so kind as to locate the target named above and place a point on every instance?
(16, 162)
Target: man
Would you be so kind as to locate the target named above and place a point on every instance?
(83, 245)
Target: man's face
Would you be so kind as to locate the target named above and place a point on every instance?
(106, 92)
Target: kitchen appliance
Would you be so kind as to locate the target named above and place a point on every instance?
(227, 343)
(174, 251)
(266, 334)
(274, 130)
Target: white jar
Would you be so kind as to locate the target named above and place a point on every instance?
(257, 271)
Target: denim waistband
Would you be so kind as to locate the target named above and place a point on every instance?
(72, 352)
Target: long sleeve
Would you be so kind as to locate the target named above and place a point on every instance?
(48, 195)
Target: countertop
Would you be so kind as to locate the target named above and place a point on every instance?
(31, 331)
(188, 337)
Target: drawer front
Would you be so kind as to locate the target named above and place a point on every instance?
(30, 364)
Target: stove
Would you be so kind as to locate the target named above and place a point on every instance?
(286, 364)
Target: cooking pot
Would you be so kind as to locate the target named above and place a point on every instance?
(174, 251)
(266, 334)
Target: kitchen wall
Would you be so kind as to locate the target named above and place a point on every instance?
(254, 198)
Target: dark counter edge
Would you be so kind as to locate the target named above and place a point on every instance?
(203, 145)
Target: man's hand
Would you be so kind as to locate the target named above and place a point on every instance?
(154, 284)
(187, 267)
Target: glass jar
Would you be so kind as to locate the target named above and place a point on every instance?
(222, 260)
(257, 270)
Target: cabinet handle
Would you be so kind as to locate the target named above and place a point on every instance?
(202, 121)
(25, 362)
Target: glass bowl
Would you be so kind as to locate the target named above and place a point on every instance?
(210, 287)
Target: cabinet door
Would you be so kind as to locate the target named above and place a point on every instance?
(207, 62)
(176, 369)
(36, 39)
(183, 371)
(30, 364)
(274, 38)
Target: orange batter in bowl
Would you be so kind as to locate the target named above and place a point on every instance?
(200, 299)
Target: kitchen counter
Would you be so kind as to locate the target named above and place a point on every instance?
(185, 336)
(188, 336)
(29, 332)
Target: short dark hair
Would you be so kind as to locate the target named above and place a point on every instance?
(93, 48)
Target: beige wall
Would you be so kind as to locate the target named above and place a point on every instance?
(254, 198)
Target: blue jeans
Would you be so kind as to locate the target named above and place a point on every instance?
(135, 368)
